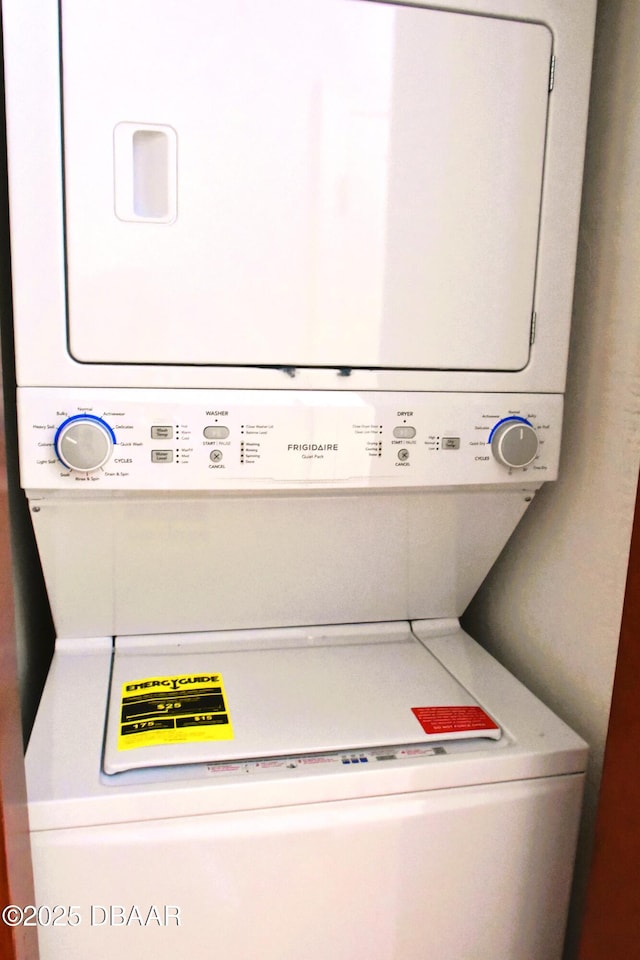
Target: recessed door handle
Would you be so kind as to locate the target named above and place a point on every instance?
(145, 172)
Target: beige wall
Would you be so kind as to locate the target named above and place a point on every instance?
(551, 607)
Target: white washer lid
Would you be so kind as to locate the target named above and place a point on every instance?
(330, 689)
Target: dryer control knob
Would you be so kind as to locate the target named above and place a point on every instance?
(514, 442)
(84, 442)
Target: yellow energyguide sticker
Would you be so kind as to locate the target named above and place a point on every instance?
(185, 708)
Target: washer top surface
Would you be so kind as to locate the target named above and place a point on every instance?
(67, 788)
(204, 699)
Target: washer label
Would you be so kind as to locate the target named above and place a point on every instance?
(452, 720)
(186, 708)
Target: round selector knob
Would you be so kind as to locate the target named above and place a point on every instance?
(514, 442)
(84, 442)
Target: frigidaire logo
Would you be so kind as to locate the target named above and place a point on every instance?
(313, 447)
(172, 683)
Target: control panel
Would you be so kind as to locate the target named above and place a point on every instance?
(235, 440)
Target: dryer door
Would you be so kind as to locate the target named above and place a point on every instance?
(304, 183)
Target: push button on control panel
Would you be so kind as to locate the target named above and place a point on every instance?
(404, 433)
(161, 456)
(162, 433)
(450, 443)
(216, 433)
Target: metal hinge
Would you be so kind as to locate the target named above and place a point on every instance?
(552, 73)
(532, 335)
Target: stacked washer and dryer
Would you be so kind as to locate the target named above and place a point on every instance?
(292, 289)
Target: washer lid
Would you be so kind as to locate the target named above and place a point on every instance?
(327, 691)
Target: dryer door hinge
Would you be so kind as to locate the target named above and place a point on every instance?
(532, 335)
(552, 73)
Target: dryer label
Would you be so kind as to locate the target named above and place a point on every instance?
(186, 708)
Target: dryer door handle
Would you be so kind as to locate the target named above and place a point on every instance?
(145, 172)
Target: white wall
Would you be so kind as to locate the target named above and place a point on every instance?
(551, 607)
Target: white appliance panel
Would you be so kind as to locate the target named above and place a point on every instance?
(405, 876)
(161, 563)
(263, 440)
(318, 183)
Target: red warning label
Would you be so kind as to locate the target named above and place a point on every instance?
(442, 720)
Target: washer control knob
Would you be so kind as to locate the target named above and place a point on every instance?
(514, 442)
(84, 442)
